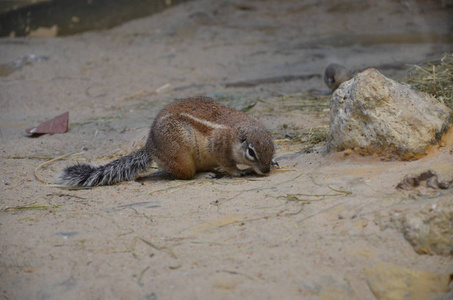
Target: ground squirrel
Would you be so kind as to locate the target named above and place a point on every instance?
(335, 75)
(188, 135)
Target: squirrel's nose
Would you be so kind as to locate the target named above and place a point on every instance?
(265, 169)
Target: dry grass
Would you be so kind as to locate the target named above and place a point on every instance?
(435, 78)
(307, 139)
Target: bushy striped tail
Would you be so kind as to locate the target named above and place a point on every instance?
(123, 169)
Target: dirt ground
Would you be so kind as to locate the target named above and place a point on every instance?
(310, 230)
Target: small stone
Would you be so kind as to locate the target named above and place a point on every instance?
(428, 179)
(388, 281)
(430, 231)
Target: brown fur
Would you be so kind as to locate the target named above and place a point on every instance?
(198, 134)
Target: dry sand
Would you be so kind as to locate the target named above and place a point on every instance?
(308, 231)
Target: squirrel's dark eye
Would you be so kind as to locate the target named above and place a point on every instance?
(251, 153)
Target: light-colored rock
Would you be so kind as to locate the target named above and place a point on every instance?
(429, 231)
(373, 114)
(427, 227)
(391, 282)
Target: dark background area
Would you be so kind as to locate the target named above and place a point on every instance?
(19, 18)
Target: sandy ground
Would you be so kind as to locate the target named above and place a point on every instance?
(309, 230)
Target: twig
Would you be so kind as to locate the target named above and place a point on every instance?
(66, 195)
(209, 243)
(261, 188)
(421, 69)
(172, 187)
(13, 186)
(70, 188)
(260, 218)
(163, 249)
(247, 220)
(218, 203)
(339, 191)
(318, 213)
(29, 157)
(33, 206)
(295, 213)
(134, 95)
(251, 179)
(238, 273)
(140, 283)
(145, 92)
(162, 88)
(48, 162)
(284, 170)
(434, 80)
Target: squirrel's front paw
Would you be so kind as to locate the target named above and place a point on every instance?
(275, 164)
(206, 175)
